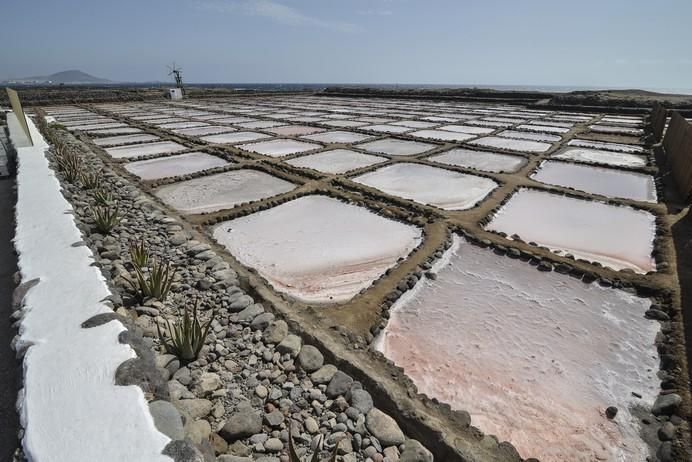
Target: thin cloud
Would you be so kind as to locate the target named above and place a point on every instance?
(376, 12)
(274, 11)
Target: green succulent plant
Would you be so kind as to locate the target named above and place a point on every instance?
(139, 255)
(106, 218)
(156, 284)
(185, 337)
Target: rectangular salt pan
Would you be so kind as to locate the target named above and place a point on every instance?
(467, 129)
(336, 161)
(182, 164)
(596, 180)
(505, 342)
(295, 130)
(511, 144)
(146, 149)
(429, 185)
(126, 139)
(234, 137)
(630, 148)
(383, 128)
(395, 147)
(616, 236)
(481, 160)
(115, 131)
(279, 148)
(338, 136)
(442, 135)
(318, 249)
(542, 128)
(529, 136)
(201, 131)
(596, 156)
(221, 191)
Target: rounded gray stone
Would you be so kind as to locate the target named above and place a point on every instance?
(361, 400)
(339, 384)
(275, 331)
(242, 423)
(167, 419)
(310, 358)
(384, 428)
(415, 452)
(290, 345)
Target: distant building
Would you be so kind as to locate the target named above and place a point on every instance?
(175, 93)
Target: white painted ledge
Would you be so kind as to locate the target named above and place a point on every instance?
(70, 407)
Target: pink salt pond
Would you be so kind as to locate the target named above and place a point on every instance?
(616, 236)
(221, 191)
(318, 249)
(182, 164)
(429, 185)
(597, 180)
(505, 342)
(336, 161)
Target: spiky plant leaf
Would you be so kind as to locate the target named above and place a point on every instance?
(139, 254)
(106, 218)
(187, 335)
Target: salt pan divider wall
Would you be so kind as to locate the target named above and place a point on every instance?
(72, 344)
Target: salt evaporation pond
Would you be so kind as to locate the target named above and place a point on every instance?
(505, 342)
(467, 129)
(279, 148)
(429, 185)
(295, 130)
(395, 147)
(234, 137)
(146, 149)
(414, 124)
(616, 236)
(543, 128)
(201, 131)
(221, 191)
(182, 164)
(511, 144)
(443, 135)
(336, 161)
(481, 160)
(338, 136)
(383, 128)
(597, 180)
(114, 131)
(529, 136)
(124, 139)
(318, 249)
(597, 156)
(620, 147)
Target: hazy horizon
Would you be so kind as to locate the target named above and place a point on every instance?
(537, 43)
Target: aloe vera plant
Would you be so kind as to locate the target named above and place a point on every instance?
(293, 455)
(106, 218)
(69, 163)
(158, 282)
(90, 180)
(103, 197)
(139, 255)
(185, 338)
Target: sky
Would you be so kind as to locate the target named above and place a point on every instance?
(607, 43)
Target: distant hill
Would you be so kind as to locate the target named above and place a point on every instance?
(67, 77)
